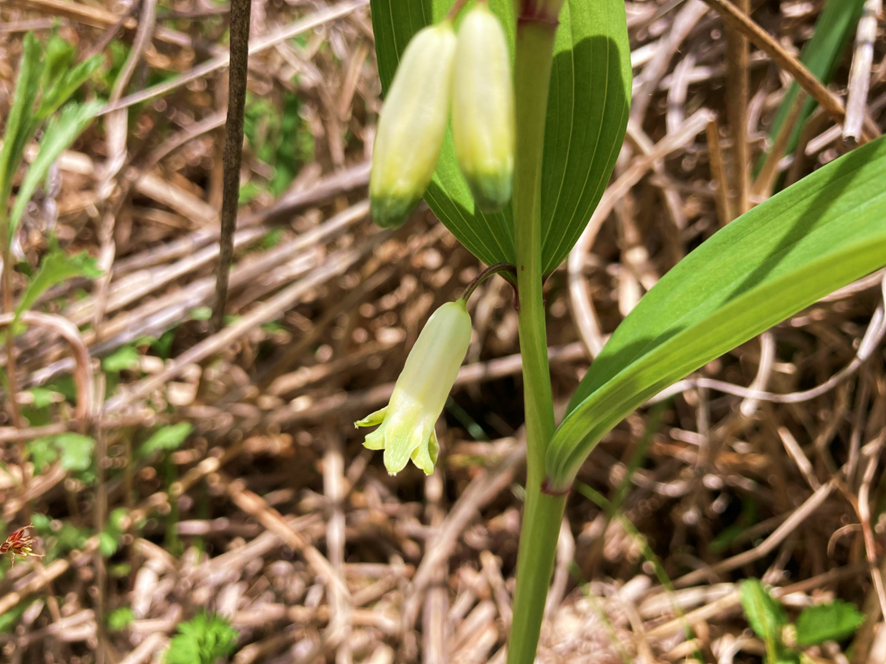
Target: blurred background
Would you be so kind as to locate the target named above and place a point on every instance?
(203, 495)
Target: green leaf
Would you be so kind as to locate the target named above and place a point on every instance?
(200, 313)
(167, 438)
(43, 397)
(122, 359)
(60, 133)
(19, 125)
(809, 240)
(59, 88)
(827, 622)
(821, 55)
(107, 544)
(76, 450)
(42, 452)
(586, 121)
(765, 615)
(8, 619)
(202, 640)
(119, 619)
(55, 268)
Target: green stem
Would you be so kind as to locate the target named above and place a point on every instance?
(542, 513)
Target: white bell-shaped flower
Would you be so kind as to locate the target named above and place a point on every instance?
(412, 125)
(406, 428)
(483, 109)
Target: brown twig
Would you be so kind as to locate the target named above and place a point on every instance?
(718, 173)
(233, 152)
(860, 72)
(733, 16)
(737, 107)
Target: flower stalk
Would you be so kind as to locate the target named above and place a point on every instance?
(506, 270)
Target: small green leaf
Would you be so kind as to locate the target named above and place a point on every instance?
(119, 619)
(58, 90)
(20, 126)
(60, 133)
(44, 398)
(765, 615)
(202, 640)
(200, 313)
(71, 537)
(167, 438)
(827, 622)
(76, 450)
(42, 452)
(115, 519)
(122, 359)
(272, 238)
(55, 268)
(107, 544)
(9, 618)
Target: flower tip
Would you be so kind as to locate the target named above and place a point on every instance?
(483, 109)
(491, 192)
(392, 211)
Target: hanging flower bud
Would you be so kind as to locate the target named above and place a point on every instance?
(411, 125)
(483, 109)
(407, 422)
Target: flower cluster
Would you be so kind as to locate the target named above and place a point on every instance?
(471, 74)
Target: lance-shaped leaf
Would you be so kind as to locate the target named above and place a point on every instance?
(586, 121)
(824, 232)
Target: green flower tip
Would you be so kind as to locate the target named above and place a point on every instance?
(491, 191)
(483, 118)
(391, 210)
(406, 425)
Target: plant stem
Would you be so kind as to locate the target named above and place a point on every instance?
(8, 307)
(542, 512)
(233, 151)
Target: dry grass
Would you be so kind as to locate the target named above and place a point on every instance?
(273, 515)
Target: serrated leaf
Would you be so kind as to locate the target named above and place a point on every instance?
(202, 640)
(167, 438)
(586, 121)
(59, 89)
(827, 622)
(19, 124)
(809, 240)
(765, 615)
(59, 134)
(55, 268)
(76, 450)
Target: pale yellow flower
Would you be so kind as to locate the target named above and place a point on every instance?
(483, 109)
(406, 428)
(412, 125)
